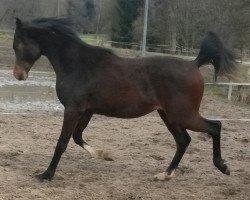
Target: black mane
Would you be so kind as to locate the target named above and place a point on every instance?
(59, 25)
(63, 26)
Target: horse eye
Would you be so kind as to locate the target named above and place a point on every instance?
(16, 47)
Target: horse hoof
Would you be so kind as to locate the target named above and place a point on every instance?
(164, 176)
(44, 176)
(226, 170)
(103, 155)
(223, 167)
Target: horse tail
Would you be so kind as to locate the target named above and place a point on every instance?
(213, 51)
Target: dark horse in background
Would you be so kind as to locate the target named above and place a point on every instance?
(92, 80)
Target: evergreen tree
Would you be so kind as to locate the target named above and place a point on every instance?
(82, 13)
(122, 25)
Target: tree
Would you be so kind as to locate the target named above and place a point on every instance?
(126, 12)
(104, 15)
(82, 13)
(183, 23)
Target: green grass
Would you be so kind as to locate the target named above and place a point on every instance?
(215, 91)
(6, 35)
(6, 39)
(93, 38)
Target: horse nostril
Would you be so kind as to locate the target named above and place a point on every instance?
(17, 77)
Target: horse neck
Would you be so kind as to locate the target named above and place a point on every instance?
(62, 53)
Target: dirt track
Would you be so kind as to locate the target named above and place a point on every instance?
(140, 147)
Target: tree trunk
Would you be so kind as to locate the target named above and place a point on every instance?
(172, 30)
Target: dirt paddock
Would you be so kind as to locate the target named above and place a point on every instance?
(140, 148)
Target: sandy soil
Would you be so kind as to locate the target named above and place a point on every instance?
(140, 148)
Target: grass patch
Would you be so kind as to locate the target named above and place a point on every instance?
(93, 38)
(6, 39)
(215, 91)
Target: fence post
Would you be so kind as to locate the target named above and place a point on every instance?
(58, 8)
(144, 41)
(230, 89)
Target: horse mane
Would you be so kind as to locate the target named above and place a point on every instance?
(62, 26)
(59, 25)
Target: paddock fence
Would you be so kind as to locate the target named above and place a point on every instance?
(7, 57)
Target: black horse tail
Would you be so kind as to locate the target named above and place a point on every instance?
(213, 51)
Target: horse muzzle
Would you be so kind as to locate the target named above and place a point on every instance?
(20, 73)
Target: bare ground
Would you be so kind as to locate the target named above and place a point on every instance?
(140, 148)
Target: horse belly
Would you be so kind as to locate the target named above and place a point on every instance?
(126, 97)
(130, 110)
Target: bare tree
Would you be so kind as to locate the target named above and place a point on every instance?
(104, 15)
(175, 23)
(82, 13)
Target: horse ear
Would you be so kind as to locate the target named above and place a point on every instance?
(19, 23)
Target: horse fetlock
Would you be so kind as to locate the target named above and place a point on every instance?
(164, 176)
(47, 175)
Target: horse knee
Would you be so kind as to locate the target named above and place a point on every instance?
(184, 142)
(214, 128)
(61, 147)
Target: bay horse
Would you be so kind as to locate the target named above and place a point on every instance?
(93, 80)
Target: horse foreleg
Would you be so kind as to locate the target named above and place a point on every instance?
(182, 140)
(71, 118)
(77, 136)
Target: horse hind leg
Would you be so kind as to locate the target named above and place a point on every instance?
(182, 140)
(77, 137)
(213, 128)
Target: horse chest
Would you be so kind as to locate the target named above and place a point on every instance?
(69, 94)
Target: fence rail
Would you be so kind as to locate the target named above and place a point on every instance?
(158, 48)
(230, 87)
(182, 52)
